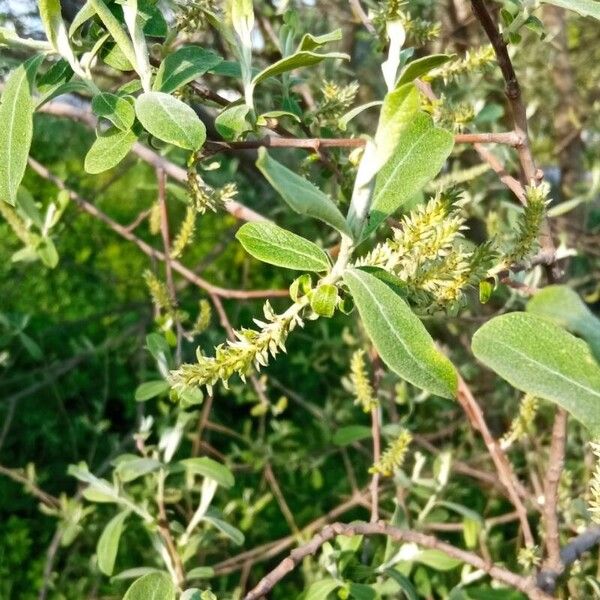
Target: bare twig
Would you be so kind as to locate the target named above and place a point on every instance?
(149, 250)
(359, 12)
(287, 565)
(502, 464)
(555, 465)
(164, 230)
(376, 435)
(281, 501)
(531, 175)
(272, 549)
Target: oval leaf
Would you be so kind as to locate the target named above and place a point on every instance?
(151, 389)
(350, 434)
(153, 586)
(16, 117)
(108, 543)
(128, 470)
(399, 336)
(277, 246)
(109, 149)
(422, 66)
(300, 194)
(420, 154)
(319, 590)
(536, 356)
(298, 60)
(117, 110)
(170, 120)
(207, 467)
(324, 300)
(561, 304)
(182, 66)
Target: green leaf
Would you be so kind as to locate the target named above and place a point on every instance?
(115, 29)
(302, 196)
(536, 356)
(56, 31)
(117, 110)
(133, 573)
(417, 159)
(207, 467)
(324, 299)
(314, 42)
(108, 543)
(561, 304)
(345, 436)
(132, 468)
(361, 591)
(422, 66)
(399, 336)
(151, 389)
(86, 12)
(231, 123)
(586, 8)
(319, 590)
(234, 534)
(200, 573)
(109, 149)
(277, 246)
(399, 109)
(153, 586)
(438, 560)
(298, 60)
(405, 585)
(182, 66)
(16, 117)
(170, 120)
(47, 253)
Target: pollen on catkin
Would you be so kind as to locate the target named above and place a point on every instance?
(363, 390)
(394, 456)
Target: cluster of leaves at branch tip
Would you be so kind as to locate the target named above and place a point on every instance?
(364, 394)
(394, 456)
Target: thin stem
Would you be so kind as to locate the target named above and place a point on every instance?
(164, 230)
(531, 175)
(164, 531)
(376, 435)
(502, 464)
(555, 466)
(281, 501)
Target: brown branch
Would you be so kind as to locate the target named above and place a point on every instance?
(555, 466)
(272, 549)
(359, 12)
(374, 487)
(91, 209)
(164, 531)
(502, 464)
(281, 501)
(531, 175)
(287, 565)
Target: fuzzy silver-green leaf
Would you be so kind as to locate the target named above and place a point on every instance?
(536, 356)
(399, 336)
